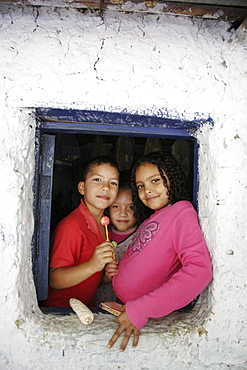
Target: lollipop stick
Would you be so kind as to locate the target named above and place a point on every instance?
(106, 233)
(107, 239)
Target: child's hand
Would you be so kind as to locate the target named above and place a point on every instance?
(111, 269)
(103, 254)
(128, 327)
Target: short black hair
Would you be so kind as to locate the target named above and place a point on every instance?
(101, 159)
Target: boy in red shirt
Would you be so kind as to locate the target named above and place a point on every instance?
(80, 252)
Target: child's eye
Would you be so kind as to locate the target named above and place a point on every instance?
(139, 186)
(114, 206)
(155, 180)
(97, 179)
(114, 183)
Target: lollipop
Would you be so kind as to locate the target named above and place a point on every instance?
(105, 221)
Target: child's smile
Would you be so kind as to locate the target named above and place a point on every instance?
(104, 197)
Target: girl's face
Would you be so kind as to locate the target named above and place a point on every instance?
(151, 189)
(121, 214)
(100, 187)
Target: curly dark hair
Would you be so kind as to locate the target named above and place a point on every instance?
(178, 183)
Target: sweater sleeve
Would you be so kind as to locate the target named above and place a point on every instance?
(184, 285)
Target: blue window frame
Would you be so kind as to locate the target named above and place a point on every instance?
(53, 122)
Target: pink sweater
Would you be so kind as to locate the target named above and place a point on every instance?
(165, 267)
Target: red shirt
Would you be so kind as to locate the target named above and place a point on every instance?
(75, 240)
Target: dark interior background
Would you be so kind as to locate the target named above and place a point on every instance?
(74, 150)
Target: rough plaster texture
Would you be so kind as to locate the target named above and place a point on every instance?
(163, 65)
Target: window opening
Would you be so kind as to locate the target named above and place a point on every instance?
(68, 139)
(73, 151)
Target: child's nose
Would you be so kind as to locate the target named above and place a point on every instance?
(147, 190)
(105, 186)
(123, 211)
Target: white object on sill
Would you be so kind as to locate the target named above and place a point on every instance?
(83, 312)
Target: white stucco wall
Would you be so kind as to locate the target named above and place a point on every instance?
(142, 64)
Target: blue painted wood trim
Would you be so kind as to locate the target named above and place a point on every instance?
(122, 119)
(195, 175)
(43, 232)
(85, 128)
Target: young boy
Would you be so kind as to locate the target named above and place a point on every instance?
(80, 252)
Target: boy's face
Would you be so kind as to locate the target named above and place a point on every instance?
(100, 187)
(121, 214)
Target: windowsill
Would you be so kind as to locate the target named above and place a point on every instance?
(66, 321)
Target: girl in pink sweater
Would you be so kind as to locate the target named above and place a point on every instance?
(167, 265)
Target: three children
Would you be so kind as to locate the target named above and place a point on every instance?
(167, 263)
